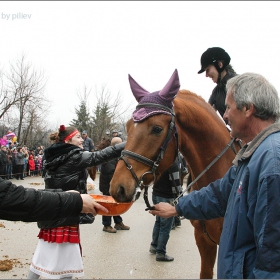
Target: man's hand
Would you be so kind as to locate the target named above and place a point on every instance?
(164, 210)
(89, 205)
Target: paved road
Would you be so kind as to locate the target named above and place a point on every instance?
(121, 255)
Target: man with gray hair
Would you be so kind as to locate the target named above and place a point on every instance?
(248, 196)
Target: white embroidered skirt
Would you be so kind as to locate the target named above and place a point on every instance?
(55, 261)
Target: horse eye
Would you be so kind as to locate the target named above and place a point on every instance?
(156, 130)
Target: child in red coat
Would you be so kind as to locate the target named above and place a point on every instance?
(31, 164)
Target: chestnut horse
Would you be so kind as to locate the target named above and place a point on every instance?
(202, 135)
(102, 144)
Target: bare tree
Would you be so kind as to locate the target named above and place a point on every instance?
(34, 126)
(27, 84)
(107, 113)
(8, 98)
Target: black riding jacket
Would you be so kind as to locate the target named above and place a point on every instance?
(218, 96)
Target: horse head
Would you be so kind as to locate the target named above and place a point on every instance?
(101, 145)
(104, 143)
(152, 143)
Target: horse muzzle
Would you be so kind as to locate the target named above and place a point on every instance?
(122, 194)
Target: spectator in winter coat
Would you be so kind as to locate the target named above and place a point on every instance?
(88, 143)
(19, 163)
(3, 162)
(31, 165)
(9, 164)
(106, 173)
(37, 165)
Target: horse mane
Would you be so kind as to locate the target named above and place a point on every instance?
(188, 92)
(197, 111)
(202, 133)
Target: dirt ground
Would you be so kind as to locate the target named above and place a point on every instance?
(121, 255)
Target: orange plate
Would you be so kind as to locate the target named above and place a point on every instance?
(114, 208)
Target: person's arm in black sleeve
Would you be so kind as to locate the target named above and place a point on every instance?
(115, 151)
(29, 205)
(99, 157)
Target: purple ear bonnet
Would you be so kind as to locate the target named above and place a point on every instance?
(164, 97)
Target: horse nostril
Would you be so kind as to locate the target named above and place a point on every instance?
(121, 194)
(121, 191)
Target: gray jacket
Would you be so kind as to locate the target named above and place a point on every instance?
(19, 159)
(88, 144)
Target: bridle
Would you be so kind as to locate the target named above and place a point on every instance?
(152, 164)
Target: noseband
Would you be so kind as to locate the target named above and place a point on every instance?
(152, 164)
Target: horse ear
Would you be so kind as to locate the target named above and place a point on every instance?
(136, 89)
(171, 88)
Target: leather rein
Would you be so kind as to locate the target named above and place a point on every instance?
(230, 144)
(152, 164)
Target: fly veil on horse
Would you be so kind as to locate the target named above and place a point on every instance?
(153, 143)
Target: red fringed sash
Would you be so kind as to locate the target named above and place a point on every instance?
(69, 234)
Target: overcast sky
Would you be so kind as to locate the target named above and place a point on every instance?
(92, 43)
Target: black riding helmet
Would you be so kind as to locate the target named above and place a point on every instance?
(212, 56)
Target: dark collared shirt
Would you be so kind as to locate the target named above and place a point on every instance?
(88, 144)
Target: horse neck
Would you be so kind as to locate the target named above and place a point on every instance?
(201, 142)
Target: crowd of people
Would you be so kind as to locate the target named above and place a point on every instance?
(19, 161)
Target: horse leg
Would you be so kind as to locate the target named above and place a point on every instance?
(207, 249)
